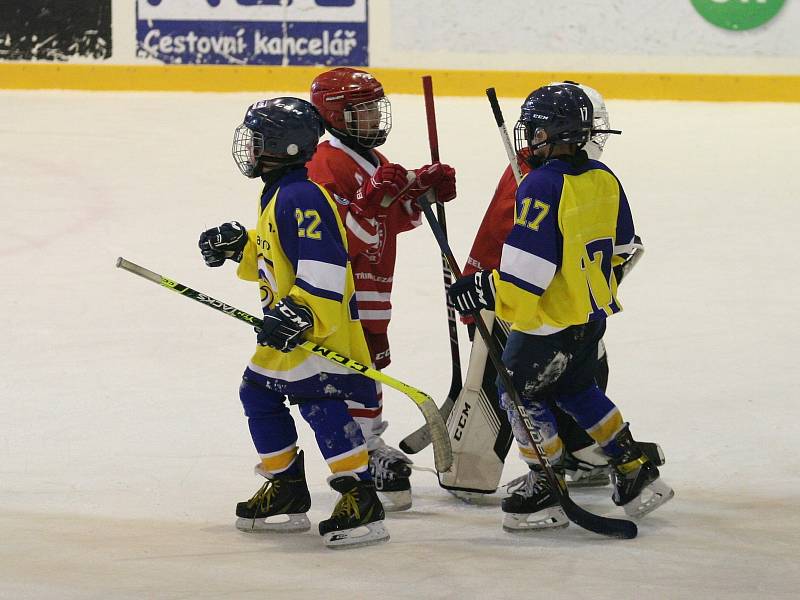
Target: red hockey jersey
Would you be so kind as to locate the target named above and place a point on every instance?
(372, 243)
(496, 224)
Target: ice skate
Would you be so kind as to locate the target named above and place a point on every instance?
(280, 505)
(357, 518)
(390, 471)
(638, 487)
(532, 505)
(589, 467)
(653, 452)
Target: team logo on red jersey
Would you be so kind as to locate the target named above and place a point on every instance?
(375, 253)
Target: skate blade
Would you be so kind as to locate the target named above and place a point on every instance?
(470, 497)
(365, 535)
(294, 524)
(395, 501)
(653, 495)
(590, 480)
(549, 518)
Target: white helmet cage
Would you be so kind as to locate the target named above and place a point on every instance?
(369, 122)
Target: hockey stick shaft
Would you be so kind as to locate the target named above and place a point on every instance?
(442, 452)
(419, 439)
(619, 528)
(447, 273)
(491, 94)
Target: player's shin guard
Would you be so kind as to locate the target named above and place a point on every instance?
(357, 518)
(280, 505)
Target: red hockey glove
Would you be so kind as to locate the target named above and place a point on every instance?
(440, 177)
(386, 182)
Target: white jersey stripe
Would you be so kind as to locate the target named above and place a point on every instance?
(322, 275)
(543, 330)
(356, 229)
(360, 160)
(312, 366)
(373, 296)
(374, 315)
(526, 266)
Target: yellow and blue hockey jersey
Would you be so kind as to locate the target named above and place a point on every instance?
(299, 249)
(572, 225)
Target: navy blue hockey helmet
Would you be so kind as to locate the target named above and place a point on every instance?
(276, 133)
(564, 112)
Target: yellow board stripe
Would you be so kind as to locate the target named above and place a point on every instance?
(513, 84)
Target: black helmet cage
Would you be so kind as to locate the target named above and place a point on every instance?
(563, 112)
(276, 133)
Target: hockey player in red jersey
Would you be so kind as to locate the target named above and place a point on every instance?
(366, 186)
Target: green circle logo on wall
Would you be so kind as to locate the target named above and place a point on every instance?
(738, 15)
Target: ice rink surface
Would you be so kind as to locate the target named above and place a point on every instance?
(122, 441)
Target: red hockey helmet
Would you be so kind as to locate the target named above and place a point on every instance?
(352, 104)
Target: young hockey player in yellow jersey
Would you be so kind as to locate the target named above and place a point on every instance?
(556, 286)
(297, 253)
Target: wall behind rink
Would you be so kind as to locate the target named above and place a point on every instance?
(630, 48)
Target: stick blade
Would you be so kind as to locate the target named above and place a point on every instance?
(418, 440)
(442, 451)
(607, 526)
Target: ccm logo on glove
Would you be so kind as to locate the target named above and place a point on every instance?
(472, 293)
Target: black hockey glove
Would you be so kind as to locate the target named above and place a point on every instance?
(283, 324)
(472, 293)
(224, 242)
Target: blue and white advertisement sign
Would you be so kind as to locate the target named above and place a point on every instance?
(253, 32)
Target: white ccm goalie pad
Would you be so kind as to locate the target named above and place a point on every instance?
(478, 428)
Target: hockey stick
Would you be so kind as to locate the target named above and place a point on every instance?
(501, 126)
(442, 454)
(618, 528)
(480, 435)
(419, 439)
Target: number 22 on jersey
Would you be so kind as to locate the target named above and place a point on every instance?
(307, 223)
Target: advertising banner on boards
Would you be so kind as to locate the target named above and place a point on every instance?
(247, 32)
